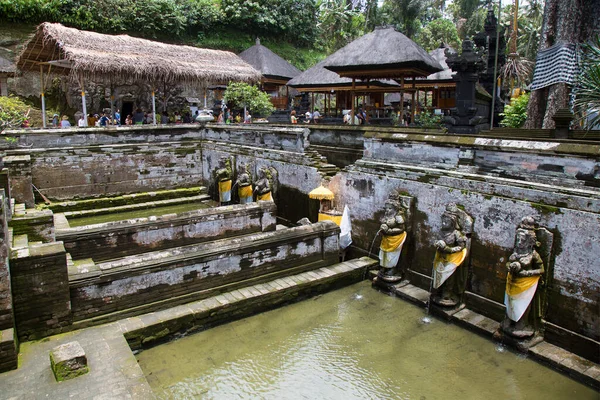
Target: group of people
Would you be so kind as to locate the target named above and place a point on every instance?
(309, 117)
(226, 117)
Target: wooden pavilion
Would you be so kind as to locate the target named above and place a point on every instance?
(383, 54)
(440, 85)
(320, 81)
(7, 70)
(83, 55)
(276, 72)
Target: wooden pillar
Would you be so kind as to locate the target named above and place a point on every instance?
(154, 105)
(42, 95)
(312, 107)
(352, 99)
(401, 99)
(84, 106)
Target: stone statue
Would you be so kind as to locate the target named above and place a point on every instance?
(525, 275)
(449, 267)
(263, 185)
(393, 229)
(223, 176)
(244, 185)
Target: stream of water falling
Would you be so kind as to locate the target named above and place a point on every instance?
(353, 343)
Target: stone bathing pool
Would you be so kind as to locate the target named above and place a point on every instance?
(352, 343)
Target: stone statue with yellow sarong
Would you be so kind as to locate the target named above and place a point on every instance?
(522, 297)
(244, 185)
(264, 185)
(450, 269)
(393, 229)
(223, 175)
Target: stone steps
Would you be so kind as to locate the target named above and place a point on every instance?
(155, 327)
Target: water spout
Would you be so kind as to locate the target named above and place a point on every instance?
(373, 242)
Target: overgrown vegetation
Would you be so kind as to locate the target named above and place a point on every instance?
(14, 112)
(428, 120)
(515, 113)
(587, 100)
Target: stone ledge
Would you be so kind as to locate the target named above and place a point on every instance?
(157, 327)
(8, 350)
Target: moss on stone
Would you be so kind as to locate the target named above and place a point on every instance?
(62, 372)
(425, 178)
(546, 209)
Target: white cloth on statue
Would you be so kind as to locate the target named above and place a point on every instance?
(345, 229)
(517, 304)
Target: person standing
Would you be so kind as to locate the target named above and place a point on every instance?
(81, 122)
(316, 116)
(293, 118)
(104, 120)
(118, 118)
(55, 121)
(65, 122)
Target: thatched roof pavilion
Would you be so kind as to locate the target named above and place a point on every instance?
(320, 79)
(276, 71)
(383, 53)
(7, 70)
(271, 66)
(103, 57)
(84, 55)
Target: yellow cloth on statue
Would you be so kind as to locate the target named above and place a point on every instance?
(452, 258)
(517, 285)
(245, 191)
(224, 186)
(327, 217)
(391, 243)
(265, 197)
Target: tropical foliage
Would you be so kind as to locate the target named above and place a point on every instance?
(515, 113)
(439, 31)
(587, 100)
(13, 112)
(243, 95)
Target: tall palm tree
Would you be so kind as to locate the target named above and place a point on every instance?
(587, 93)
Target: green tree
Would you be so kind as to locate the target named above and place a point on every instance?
(515, 113)
(436, 32)
(338, 23)
(241, 94)
(405, 14)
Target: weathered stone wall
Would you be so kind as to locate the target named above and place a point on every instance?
(193, 272)
(296, 174)
(431, 169)
(6, 307)
(83, 172)
(121, 238)
(40, 287)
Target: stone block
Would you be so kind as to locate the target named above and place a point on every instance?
(68, 361)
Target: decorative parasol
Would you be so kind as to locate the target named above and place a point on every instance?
(321, 193)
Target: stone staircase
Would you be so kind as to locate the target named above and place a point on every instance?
(320, 162)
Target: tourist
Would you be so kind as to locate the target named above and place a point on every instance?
(362, 117)
(128, 120)
(97, 119)
(65, 122)
(248, 119)
(55, 121)
(91, 120)
(187, 118)
(316, 115)
(138, 117)
(149, 118)
(238, 118)
(220, 118)
(177, 117)
(164, 118)
(81, 122)
(307, 117)
(227, 116)
(104, 120)
(117, 118)
(293, 118)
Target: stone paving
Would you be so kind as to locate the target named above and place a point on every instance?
(114, 372)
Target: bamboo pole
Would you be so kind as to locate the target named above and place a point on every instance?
(83, 105)
(153, 106)
(42, 96)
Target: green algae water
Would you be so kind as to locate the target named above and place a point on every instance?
(353, 343)
(143, 213)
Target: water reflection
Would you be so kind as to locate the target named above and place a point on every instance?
(354, 343)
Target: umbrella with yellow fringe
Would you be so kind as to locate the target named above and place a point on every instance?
(321, 193)
(325, 195)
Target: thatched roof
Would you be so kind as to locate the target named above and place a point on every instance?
(268, 63)
(6, 67)
(383, 53)
(320, 77)
(439, 55)
(101, 57)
